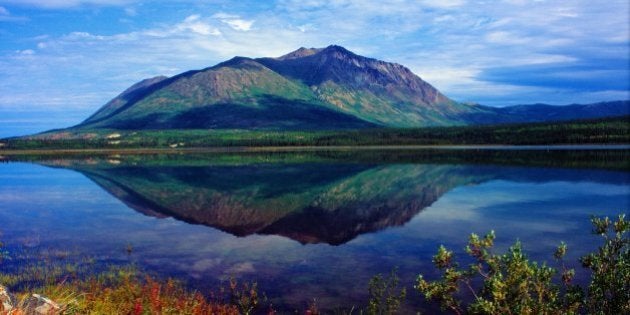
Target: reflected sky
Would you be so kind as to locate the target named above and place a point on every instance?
(321, 229)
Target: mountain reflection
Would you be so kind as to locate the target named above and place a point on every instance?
(302, 197)
(310, 203)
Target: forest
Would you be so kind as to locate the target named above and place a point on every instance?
(598, 131)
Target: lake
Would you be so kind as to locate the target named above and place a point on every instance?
(308, 224)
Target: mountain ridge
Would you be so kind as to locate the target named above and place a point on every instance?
(310, 89)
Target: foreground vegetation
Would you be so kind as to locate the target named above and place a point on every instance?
(121, 290)
(507, 283)
(598, 131)
(510, 283)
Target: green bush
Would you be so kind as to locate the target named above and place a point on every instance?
(385, 294)
(512, 284)
(609, 290)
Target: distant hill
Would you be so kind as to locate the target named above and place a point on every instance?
(310, 89)
(544, 112)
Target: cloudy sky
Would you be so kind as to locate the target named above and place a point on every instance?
(60, 60)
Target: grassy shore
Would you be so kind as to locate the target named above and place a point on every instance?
(298, 149)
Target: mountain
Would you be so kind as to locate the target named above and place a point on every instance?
(237, 94)
(544, 112)
(309, 89)
(376, 91)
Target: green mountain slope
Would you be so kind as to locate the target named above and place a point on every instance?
(125, 97)
(309, 89)
(239, 93)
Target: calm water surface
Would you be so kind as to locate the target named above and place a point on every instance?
(306, 225)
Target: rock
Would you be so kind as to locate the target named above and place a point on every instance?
(39, 305)
(7, 300)
(34, 305)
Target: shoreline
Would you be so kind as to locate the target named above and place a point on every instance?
(245, 149)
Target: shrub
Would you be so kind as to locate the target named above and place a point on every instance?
(385, 294)
(512, 284)
(609, 290)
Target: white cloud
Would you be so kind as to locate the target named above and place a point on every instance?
(239, 25)
(506, 38)
(4, 11)
(306, 28)
(193, 23)
(446, 78)
(26, 52)
(448, 43)
(50, 100)
(444, 3)
(444, 18)
(234, 21)
(539, 59)
(82, 70)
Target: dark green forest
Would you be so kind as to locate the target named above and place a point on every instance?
(597, 131)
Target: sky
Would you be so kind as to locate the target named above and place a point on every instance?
(60, 60)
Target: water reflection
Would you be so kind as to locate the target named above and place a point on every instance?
(378, 209)
(307, 199)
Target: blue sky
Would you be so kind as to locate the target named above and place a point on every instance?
(60, 60)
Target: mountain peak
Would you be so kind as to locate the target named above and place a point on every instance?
(337, 48)
(307, 52)
(301, 52)
(366, 79)
(238, 62)
(338, 52)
